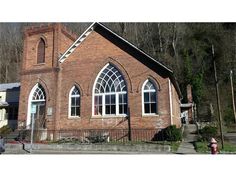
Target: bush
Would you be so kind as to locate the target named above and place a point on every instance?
(97, 138)
(172, 133)
(207, 132)
(5, 130)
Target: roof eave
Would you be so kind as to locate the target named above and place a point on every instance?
(75, 44)
(91, 27)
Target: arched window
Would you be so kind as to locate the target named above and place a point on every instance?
(41, 51)
(39, 94)
(110, 93)
(37, 106)
(149, 95)
(74, 102)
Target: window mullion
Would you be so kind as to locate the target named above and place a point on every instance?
(117, 104)
(103, 105)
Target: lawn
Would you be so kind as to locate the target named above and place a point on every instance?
(201, 147)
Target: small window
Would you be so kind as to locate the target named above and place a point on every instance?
(74, 106)
(41, 51)
(149, 98)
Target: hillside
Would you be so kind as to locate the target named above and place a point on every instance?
(186, 48)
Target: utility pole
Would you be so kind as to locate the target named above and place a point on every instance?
(218, 98)
(129, 126)
(232, 89)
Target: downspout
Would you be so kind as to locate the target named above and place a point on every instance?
(170, 99)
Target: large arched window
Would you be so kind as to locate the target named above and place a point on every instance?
(110, 93)
(74, 102)
(149, 97)
(41, 51)
(37, 106)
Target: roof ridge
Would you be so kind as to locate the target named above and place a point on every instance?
(83, 36)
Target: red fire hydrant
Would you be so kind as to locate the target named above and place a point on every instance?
(213, 145)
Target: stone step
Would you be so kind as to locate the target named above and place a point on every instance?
(191, 128)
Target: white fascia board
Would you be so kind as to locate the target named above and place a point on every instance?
(76, 43)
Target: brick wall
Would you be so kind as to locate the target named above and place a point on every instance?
(57, 40)
(81, 68)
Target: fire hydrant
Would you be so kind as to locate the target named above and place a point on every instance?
(213, 145)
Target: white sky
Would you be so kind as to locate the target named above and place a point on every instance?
(117, 11)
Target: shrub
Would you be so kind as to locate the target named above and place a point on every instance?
(172, 133)
(97, 138)
(5, 130)
(207, 132)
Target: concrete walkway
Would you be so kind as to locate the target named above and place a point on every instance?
(186, 147)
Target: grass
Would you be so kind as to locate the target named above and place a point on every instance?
(201, 147)
(229, 147)
(175, 146)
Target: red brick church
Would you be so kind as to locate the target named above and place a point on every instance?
(98, 81)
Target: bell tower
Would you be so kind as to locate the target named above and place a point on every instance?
(42, 46)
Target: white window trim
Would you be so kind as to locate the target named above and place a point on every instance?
(170, 100)
(94, 85)
(69, 107)
(110, 116)
(103, 100)
(28, 121)
(143, 91)
(103, 104)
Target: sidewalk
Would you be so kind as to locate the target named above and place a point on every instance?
(186, 147)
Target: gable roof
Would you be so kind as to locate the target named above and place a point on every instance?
(125, 45)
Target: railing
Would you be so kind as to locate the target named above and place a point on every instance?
(92, 135)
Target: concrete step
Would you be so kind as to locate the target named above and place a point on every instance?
(230, 137)
(191, 128)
